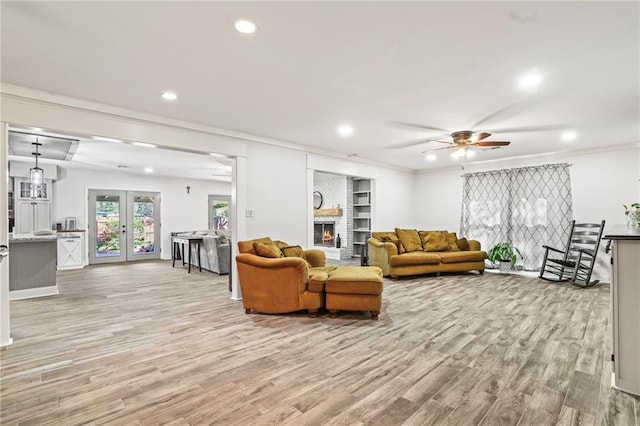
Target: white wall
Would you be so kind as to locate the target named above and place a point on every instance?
(179, 211)
(601, 182)
(276, 191)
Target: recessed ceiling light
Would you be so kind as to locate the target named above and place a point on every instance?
(144, 145)
(169, 96)
(244, 26)
(345, 130)
(530, 81)
(36, 129)
(568, 136)
(431, 157)
(100, 138)
(148, 170)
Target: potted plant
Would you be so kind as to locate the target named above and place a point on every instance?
(504, 255)
(633, 214)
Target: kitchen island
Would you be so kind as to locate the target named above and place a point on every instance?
(32, 266)
(625, 299)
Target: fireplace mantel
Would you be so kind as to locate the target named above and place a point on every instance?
(327, 212)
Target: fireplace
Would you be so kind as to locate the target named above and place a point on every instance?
(324, 233)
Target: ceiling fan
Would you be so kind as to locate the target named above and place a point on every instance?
(463, 140)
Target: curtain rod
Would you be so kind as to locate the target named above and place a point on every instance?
(550, 166)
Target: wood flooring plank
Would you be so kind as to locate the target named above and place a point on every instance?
(145, 343)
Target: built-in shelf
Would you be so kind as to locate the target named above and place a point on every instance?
(361, 215)
(327, 212)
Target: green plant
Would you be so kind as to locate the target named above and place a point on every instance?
(633, 213)
(627, 209)
(503, 252)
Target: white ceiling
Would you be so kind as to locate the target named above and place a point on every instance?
(116, 156)
(314, 65)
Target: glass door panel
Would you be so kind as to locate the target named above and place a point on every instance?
(144, 221)
(219, 212)
(107, 226)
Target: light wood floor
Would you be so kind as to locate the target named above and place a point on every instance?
(145, 343)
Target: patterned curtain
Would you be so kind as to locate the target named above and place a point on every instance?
(527, 207)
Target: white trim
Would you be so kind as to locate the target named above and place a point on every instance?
(26, 95)
(29, 293)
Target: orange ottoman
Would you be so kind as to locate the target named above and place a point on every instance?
(354, 288)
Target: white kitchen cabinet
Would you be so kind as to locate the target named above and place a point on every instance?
(32, 216)
(625, 299)
(70, 251)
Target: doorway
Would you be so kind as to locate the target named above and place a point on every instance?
(123, 226)
(218, 208)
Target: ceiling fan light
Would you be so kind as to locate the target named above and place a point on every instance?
(469, 153)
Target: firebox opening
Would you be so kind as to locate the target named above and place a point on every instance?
(324, 233)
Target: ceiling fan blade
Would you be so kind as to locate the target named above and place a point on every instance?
(491, 143)
(440, 149)
(531, 129)
(413, 143)
(420, 126)
(482, 135)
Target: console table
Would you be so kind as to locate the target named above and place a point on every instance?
(625, 299)
(178, 248)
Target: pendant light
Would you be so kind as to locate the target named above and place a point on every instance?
(36, 174)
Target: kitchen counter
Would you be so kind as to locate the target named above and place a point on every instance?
(621, 232)
(13, 238)
(32, 265)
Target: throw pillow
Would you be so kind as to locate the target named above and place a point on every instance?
(463, 244)
(267, 250)
(436, 241)
(451, 240)
(410, 239)
(293, 251)
(281, 244)
(396, 242)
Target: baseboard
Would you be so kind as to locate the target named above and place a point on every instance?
(29, 293)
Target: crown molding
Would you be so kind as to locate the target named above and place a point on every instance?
(34, 95)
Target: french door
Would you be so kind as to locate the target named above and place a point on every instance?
(123, 226)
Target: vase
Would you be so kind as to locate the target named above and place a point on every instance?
(633, 219)
(505, 266)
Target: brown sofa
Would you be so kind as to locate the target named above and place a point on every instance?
(281, 284)
(412, 252)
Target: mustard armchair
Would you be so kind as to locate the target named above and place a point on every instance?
(281, 285)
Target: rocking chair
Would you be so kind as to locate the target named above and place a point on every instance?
(577, 260)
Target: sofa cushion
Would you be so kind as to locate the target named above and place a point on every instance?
(414, 258)
(463, 256)
(317, 269)
(451, 240)
(434, 241)
(462, 244)
(247, 246)
(267, 250)
(410, 239)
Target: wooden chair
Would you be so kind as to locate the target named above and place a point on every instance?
(575, 263)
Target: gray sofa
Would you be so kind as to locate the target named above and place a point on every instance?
(215, 250)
